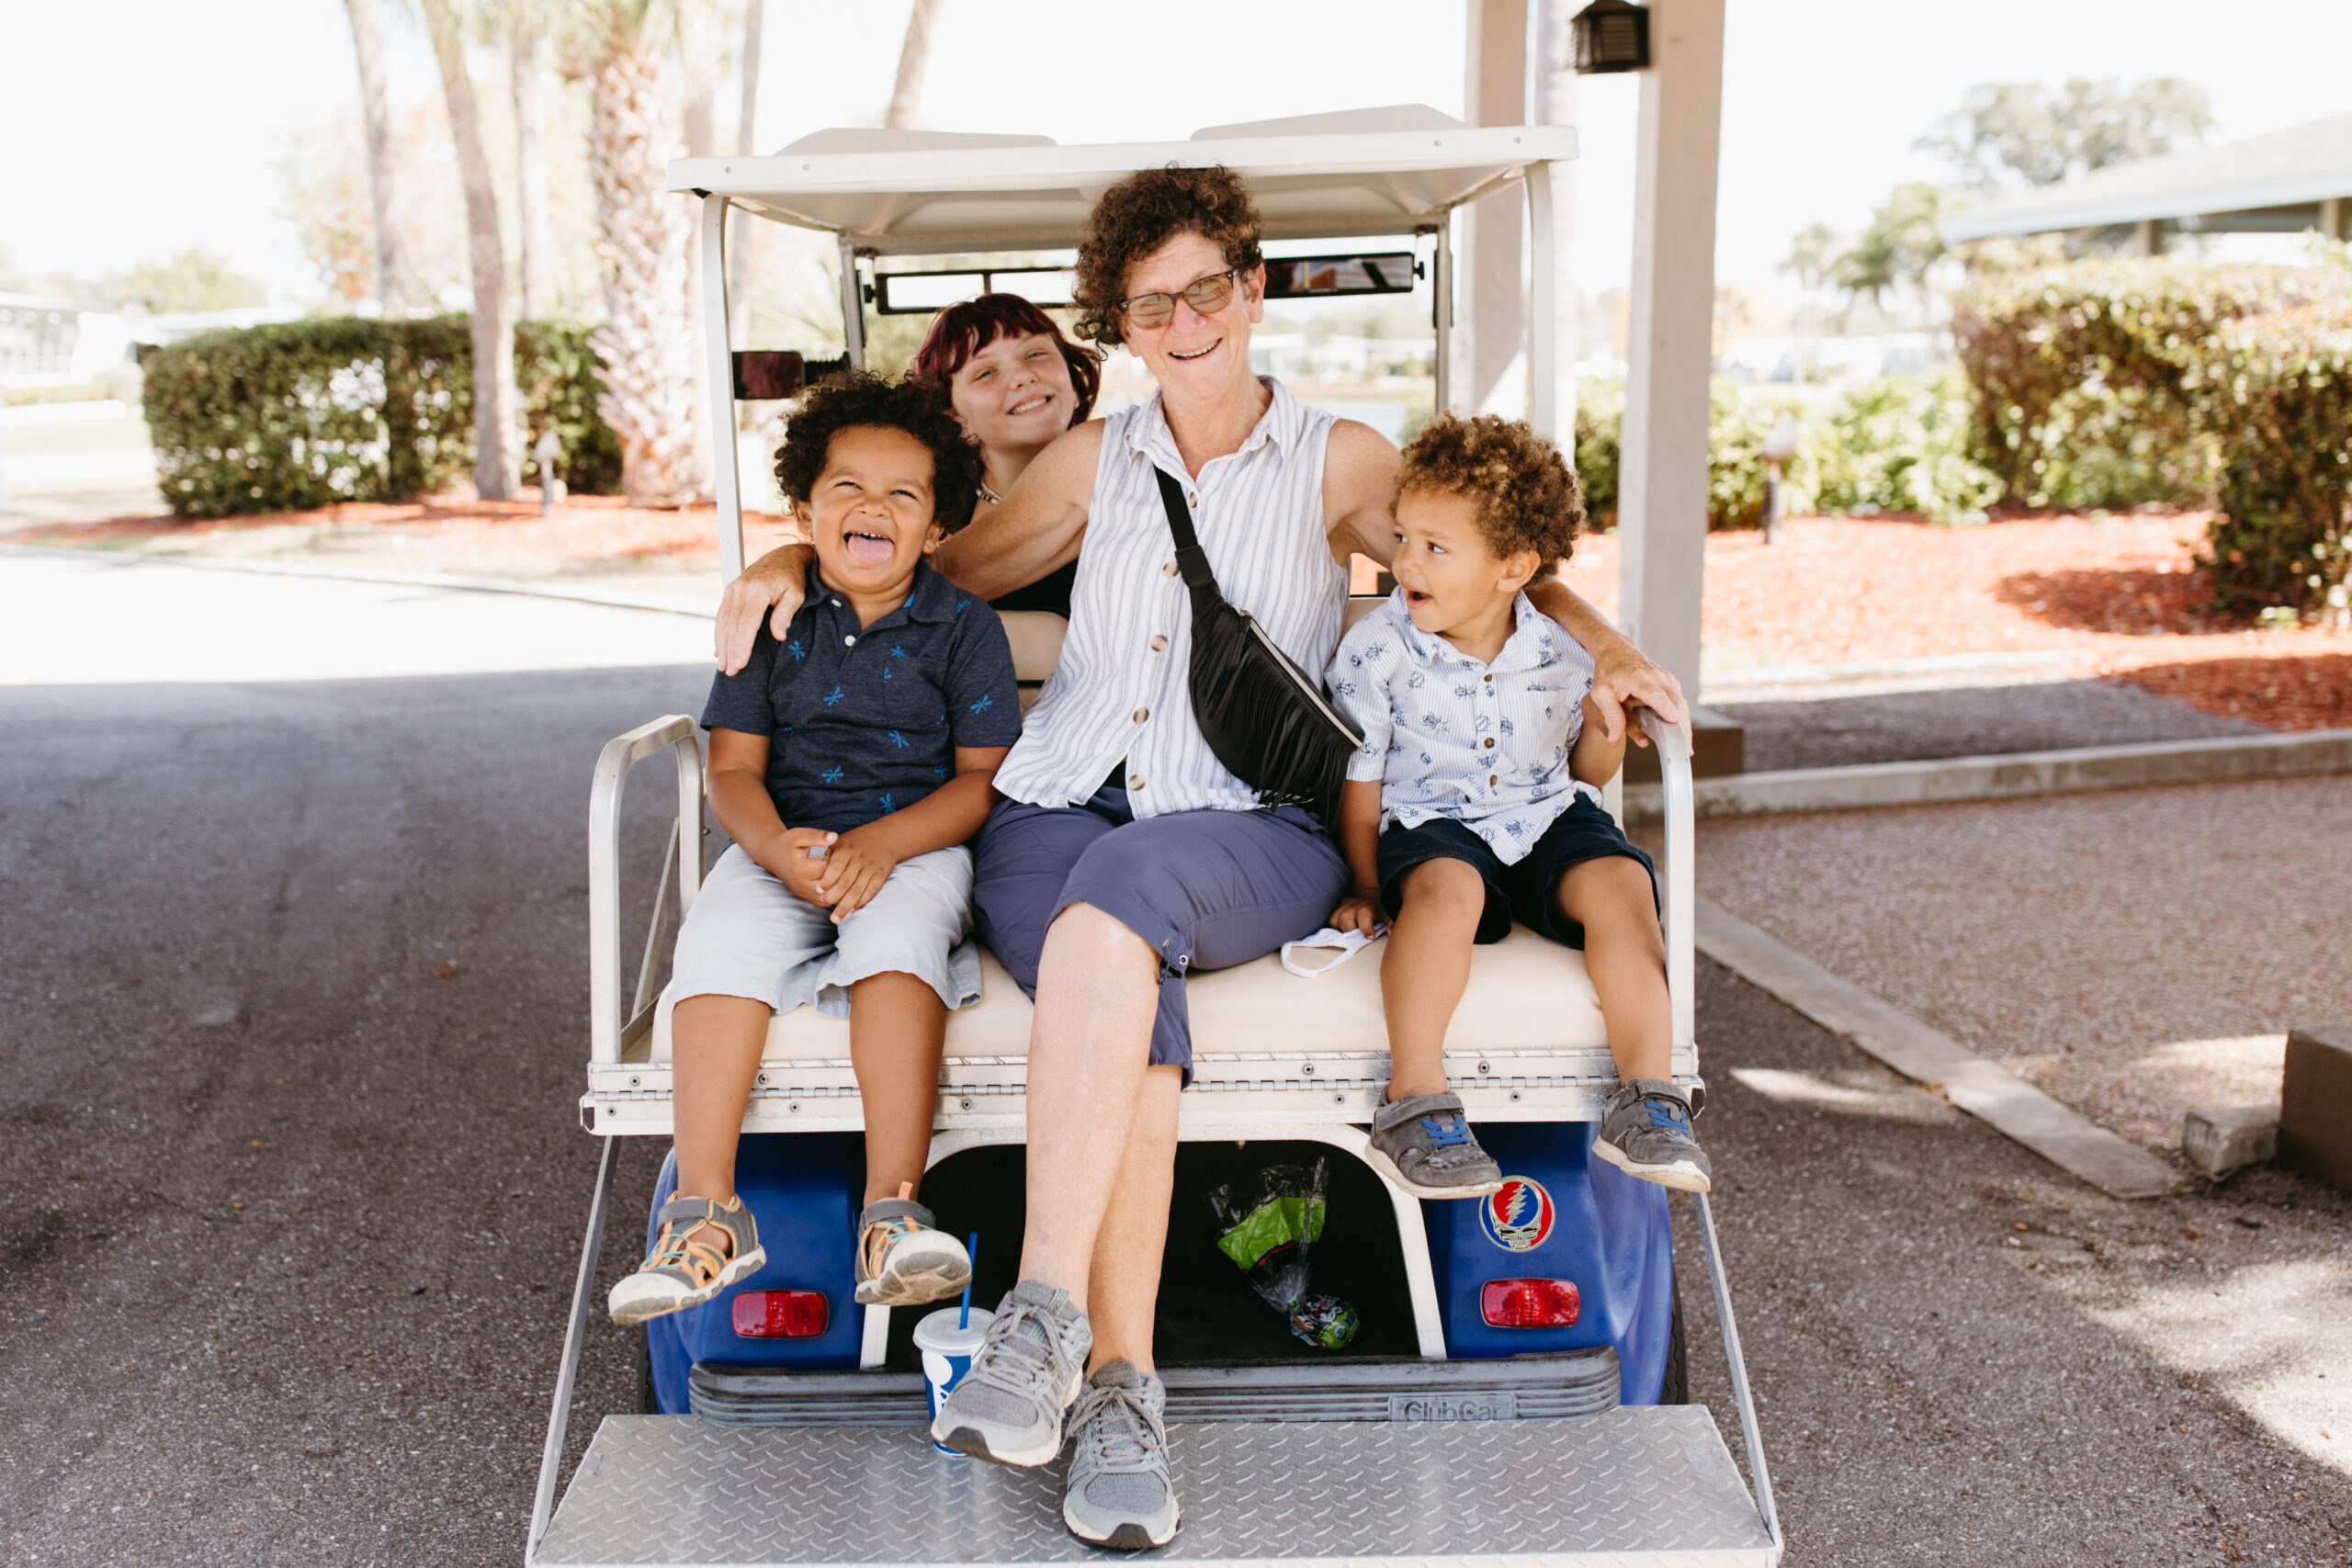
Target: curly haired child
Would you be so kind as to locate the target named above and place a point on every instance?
(1476, 800)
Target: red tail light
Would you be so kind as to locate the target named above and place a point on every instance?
(780, 1314)
(1528, 1303)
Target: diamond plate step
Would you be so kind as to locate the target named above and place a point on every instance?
(1652, 1485)
(1583, 1382)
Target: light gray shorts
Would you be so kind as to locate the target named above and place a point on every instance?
(748, 935)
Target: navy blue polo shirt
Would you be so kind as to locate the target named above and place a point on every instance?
(864, 721)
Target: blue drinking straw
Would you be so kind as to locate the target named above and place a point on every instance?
(971, 1250)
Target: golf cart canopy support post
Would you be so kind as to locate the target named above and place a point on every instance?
(1364, 173)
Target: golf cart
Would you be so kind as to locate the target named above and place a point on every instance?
(1516, 1384)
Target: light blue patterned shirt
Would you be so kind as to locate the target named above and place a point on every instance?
(1486, 745)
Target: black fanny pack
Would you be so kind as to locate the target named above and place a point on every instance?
(1267, 720)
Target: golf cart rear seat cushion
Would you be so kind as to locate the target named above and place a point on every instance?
(1525, 993)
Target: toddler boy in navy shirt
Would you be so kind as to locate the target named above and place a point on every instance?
(849, 761)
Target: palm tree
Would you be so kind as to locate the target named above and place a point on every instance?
(392, 276)
(648, 342)
(914, 61)
(533, 236)
(495, 449)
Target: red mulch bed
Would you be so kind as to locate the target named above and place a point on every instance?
(2122, 593)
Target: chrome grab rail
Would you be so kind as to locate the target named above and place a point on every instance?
(608, 1022)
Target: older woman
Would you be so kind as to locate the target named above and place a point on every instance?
(1124, 854)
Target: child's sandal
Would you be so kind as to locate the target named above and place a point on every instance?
(700, 1249)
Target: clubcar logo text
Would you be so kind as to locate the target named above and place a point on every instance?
(1518, 1218)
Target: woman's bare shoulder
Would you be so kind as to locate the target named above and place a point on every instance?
(1359, 470)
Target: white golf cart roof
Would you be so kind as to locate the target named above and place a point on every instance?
(1359, 173)
(1385, 171)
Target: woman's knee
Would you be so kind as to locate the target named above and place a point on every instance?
(1099, 939)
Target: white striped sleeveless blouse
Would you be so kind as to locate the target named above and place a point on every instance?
(1121, 695)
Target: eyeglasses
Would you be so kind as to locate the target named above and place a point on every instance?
(1205, 295)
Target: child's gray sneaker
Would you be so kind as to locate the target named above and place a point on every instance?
(1008, 1408)
(1423, 1143)
(1645, 1131)
(902, 1258)
(1118, 1493)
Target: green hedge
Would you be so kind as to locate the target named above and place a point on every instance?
(2107, 383)
(1901, 444)
(299, 414)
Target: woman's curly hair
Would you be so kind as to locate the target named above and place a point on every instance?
(1528, 496)
(1142, 213)
(853, 398)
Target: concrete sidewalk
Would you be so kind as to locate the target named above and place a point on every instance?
(2133, 951)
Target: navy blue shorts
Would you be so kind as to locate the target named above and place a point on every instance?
(1523, 889)
(1206, 889)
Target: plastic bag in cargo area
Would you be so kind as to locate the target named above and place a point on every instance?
(1268, 1224)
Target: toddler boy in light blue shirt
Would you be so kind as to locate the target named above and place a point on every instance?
(1475, 800)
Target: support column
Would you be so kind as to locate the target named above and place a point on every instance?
(1662, 504)
(1490, 330)
(1556, 100)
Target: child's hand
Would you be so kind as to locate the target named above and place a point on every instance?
(794, 866)
(1358, 912)
(854, 870)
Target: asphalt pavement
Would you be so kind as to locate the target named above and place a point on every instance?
(295, 985)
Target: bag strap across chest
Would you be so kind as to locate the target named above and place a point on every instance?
(1191, 561)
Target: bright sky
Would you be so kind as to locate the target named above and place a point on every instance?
(129, 129)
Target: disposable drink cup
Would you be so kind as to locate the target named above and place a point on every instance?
(946, 1351)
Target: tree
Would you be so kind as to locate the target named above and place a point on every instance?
(532, 235)
(647, 343)
(1901, 244)
(745, 236)
(194, 280)
(496, 454)
(914, 62)
(391, 274)
(2011, 133)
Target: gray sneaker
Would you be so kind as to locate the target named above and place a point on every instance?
(1645, 1131)
(1008, 1408)
(1423, 1143)
(1118, 1494)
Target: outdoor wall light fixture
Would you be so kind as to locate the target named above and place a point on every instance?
(1611, 36)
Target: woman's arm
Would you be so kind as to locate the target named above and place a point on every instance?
(1622, 673)
(774, 579)
(1036, 528)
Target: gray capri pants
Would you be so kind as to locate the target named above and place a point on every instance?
(1206, 889)
(748, 935)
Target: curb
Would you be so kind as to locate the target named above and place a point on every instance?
(1976, 1084)
(619, 599)
(2017, 774)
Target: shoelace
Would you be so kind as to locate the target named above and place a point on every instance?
(881, 1237)
(684, 1249)
(1036, 1352)
(1118, 1442)
(1445, 1129)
